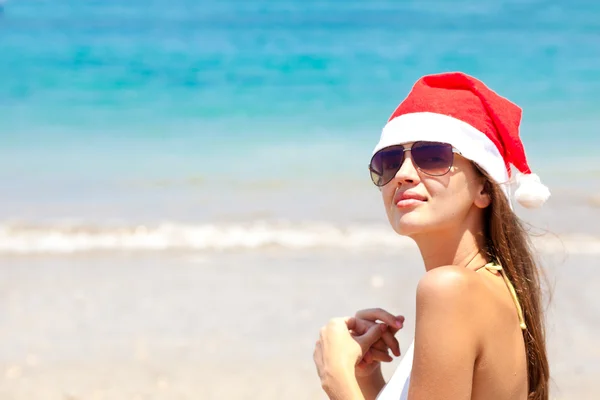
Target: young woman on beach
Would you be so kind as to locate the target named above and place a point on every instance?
(443, 163)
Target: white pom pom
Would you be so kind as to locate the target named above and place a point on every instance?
(531, 193)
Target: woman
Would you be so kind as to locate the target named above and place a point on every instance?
(443, 164)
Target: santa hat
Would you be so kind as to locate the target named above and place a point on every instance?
(458, 109)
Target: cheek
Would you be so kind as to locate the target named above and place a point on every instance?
(387, 195)
(453, 198)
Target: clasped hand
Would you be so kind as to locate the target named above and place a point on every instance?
(354, 347)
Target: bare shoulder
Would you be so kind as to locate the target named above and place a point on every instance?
(451, 293)
(448, 283)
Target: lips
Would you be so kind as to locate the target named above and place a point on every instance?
(405, 199)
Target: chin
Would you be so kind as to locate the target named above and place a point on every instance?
(408, 224)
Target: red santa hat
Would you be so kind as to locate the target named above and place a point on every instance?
(458, 109)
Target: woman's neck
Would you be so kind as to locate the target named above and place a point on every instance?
(462, 248)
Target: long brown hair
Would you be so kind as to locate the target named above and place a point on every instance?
(509, 244)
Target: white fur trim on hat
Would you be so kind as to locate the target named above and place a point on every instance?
(469, 141)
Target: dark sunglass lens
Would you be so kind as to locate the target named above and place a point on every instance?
(385, 164)
(433, 158)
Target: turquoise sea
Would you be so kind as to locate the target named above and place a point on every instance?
(223, 124)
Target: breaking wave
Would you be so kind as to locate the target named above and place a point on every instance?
(66, 238)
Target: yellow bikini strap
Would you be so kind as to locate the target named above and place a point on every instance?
(492, 266)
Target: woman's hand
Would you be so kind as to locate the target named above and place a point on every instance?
(352, 348)
(379, 351)
(338, 351)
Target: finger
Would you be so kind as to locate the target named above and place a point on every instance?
(378, 355)
(374, 314)
(392, 330)
(365, 362)
(380, 345)
(361, 326)
(371, 336)
(375, 355)
(391, 342)
(350, 322)
(368, 357)
(397, 327)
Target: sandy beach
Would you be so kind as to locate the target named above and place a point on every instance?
(230, 326)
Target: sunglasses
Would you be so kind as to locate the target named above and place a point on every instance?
(431, 158)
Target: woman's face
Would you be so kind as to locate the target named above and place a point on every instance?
(417, 203)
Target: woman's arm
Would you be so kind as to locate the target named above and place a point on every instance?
(446, 335)
(370, 386)
(344, 388)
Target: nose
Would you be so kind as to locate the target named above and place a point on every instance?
(407, 174)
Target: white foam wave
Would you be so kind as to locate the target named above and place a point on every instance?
(169, 236)
(65, 239)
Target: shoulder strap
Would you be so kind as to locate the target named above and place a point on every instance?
(493, 266)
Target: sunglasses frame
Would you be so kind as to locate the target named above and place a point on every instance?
(405, 149)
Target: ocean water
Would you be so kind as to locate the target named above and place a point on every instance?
(220, 125)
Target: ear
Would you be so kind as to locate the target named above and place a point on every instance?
(483, 198)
